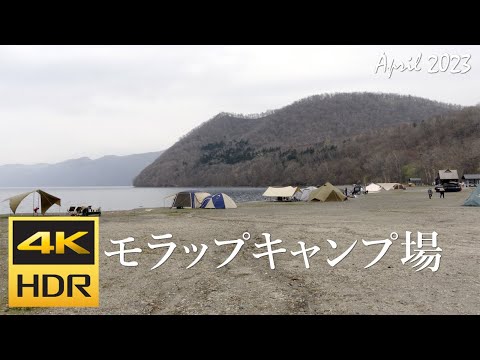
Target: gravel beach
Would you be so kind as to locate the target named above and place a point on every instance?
(247, 285)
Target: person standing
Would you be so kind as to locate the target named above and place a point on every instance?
(430, 193)
(442, 192)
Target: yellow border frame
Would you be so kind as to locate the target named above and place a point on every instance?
(96, 226)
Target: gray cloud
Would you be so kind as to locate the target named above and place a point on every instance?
(97, 100)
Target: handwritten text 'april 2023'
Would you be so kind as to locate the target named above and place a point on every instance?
(453, 64)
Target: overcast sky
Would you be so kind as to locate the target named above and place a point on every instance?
(63, 102)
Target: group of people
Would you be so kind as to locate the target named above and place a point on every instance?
(357, 189)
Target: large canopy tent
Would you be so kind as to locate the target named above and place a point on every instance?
(46, 200)
(474, 198)
(327, 192)
(287, 192)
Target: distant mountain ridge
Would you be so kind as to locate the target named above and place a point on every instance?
(109, 170)
(301, 143)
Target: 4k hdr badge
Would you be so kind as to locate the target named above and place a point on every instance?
(53, 262)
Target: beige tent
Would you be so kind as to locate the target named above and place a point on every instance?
(327, 192)
(46, 200)
(281, 192)
(391, 186)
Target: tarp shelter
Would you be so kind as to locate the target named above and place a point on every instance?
(327, 192)
(46, 200)
(218, 201)
(306, 192)
(189, 199)
(474, 198)
(373, 188)
(281, 192)
(392, 186)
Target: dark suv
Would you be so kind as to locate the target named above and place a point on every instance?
(449, 187)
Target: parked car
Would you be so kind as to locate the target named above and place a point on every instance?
(449, 187)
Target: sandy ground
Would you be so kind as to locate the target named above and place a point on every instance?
(248, 286)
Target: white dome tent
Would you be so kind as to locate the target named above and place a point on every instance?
(373, 188)
(218, 201)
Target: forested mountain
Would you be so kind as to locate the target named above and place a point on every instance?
(108, 170)
(341, 138)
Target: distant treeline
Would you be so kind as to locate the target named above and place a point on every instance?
(341, 138)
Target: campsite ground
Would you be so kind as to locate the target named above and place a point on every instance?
(248, 286)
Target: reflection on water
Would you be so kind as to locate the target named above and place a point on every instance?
(117, 197)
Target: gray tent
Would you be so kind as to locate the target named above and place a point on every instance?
(474, 198)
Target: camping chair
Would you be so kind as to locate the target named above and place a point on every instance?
(71, 211)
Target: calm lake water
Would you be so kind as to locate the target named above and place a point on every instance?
(116, 197)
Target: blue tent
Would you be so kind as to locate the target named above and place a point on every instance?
(474, 198)
(218, 201)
